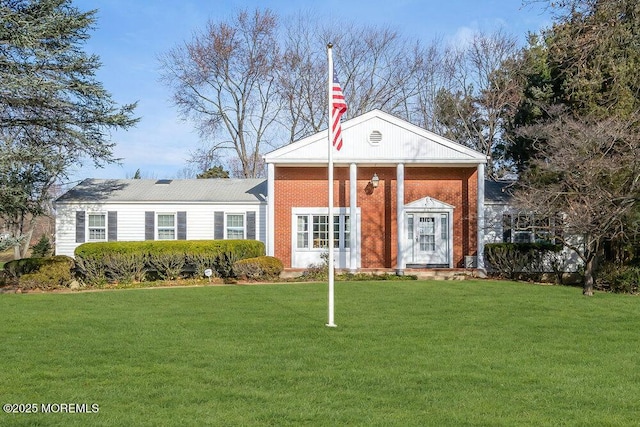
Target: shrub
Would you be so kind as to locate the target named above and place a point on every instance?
(167, 265)
(92, 270)
(42, 249)
(19, 267)
(99, 262)
(44, 273)
(125, 268)
(223, 264)
(319, 271)
(260, 268)
(511, 260)
(241, 248)
(198, 263)
(621, 278)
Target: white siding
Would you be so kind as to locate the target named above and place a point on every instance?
(131, 220)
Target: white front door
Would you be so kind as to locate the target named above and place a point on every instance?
(430, 238)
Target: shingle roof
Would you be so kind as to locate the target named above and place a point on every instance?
(182, 190)
(497, 191)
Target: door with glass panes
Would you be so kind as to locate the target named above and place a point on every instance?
(429, 235)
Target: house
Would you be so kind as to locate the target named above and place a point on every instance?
(404, 198)
(506, 224)
(100, 210)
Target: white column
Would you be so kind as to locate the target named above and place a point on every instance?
(271, 209)
(400, 218)
(481, 216)
(354, 244)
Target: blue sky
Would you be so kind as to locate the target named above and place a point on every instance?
(130, 35)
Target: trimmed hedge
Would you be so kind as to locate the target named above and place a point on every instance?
(102, 262)
(242, 248)
(260, 268)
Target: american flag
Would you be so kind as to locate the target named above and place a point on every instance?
(338, 108)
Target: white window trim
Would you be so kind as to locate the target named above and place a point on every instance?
(342, 213)
(244, 223)
(175, 225)
(88, 227)
(532, 231)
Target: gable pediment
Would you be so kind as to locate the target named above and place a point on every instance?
(378, 137)
(428, 203)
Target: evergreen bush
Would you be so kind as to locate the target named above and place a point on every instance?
(42, 273)
(42, 249)
(260, 268)
(99, 262)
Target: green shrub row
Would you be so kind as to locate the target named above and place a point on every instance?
(103, 262)
(512, 260)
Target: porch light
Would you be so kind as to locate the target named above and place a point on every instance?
(375, 180)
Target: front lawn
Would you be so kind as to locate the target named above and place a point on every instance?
(404, 353)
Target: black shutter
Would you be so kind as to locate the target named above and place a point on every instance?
(149, 225)
(112, 223)
(182, 225)
(80, 226)
(218, 225)
(251, 225)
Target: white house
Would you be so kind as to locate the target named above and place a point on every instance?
(100, 210)
(404, 197)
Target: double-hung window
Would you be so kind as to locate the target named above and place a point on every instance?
(97, 227)
(235, 226)
(166, 226)
(530, 228)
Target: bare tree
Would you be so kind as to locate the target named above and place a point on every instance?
(379, 68)
(302, 79)
(224, 79)
(588, 172)
(471, 107)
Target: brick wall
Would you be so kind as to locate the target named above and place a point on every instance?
(307, 187)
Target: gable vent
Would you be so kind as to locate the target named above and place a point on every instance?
(375, 137)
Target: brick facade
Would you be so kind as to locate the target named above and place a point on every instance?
(307, 187)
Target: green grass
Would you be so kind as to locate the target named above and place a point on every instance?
(404, 353)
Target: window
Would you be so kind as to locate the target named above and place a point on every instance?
(302, 231)
(166, 226)
(97, 227)
(530, 228)
(427, 233)
(235, 226)
(316, 236)
(347, 231)
(320, 231)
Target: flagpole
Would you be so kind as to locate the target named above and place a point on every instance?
(330, 225)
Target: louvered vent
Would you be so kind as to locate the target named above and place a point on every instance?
(375, 137)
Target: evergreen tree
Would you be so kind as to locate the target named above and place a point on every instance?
(54, 114)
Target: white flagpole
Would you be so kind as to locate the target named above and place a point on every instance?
(330, 225)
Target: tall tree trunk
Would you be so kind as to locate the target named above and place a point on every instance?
(589, 272)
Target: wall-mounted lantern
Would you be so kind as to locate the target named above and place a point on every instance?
(375, 180)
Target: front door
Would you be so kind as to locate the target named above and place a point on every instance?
(430, 239)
